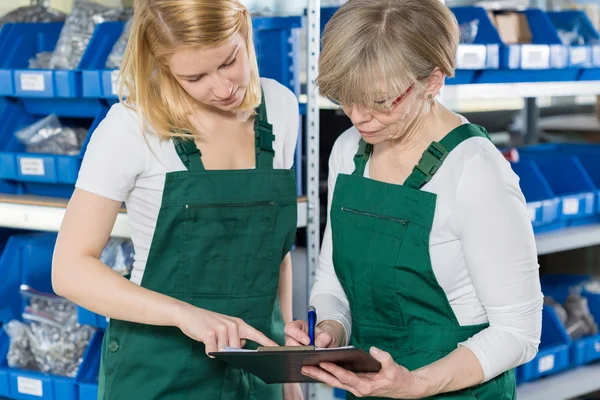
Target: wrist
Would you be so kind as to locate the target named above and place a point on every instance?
(426, 384)
(335, 329)
(178, 313)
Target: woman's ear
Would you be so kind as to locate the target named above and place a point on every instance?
(435, 83)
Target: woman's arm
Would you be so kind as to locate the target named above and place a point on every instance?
(80, 276)
(501, 256)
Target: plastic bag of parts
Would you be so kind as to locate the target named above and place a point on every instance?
(33, 14)
(115, 58)
(118, 254)
(572, 37)
(49, 339)
(77, 32)
(49, 136)
(468, 31)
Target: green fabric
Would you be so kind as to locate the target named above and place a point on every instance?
(219, 242)
(381, 257)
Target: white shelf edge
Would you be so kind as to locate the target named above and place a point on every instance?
(48, 218)
(450, 94)
(564, 386)
(568, 239)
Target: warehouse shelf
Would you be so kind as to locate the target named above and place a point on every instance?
(46, 214)
(567, 385)
(568, 239)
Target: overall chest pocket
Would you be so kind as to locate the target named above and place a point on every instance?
(365, 250)
(229, 249)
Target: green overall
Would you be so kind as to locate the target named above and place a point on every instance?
(219, 242)
(381, 257)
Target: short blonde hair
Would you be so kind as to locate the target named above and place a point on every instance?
(389, 44)
(159, 29)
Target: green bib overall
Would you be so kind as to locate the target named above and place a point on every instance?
(219, 242)
(381, 257)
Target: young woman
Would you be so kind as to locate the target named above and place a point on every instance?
(429, 259)
(201, 153)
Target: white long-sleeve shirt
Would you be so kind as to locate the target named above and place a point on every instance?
(482, 249)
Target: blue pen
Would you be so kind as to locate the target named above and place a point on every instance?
(312, 321)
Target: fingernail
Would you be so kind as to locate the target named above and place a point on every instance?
(375, 350)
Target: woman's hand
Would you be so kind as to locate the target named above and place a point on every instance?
(327, 334)
(217, 330)
(292, 391)
(392, 381)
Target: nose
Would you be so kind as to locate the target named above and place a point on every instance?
(357, 115)
(222, 88)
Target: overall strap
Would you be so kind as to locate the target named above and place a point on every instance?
(263, 133)
(362, 157)
(189, 153)
(433, 158)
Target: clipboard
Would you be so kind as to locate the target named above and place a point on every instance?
(284, 364)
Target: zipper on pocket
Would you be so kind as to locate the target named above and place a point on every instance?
(366, 214)
(258, 203)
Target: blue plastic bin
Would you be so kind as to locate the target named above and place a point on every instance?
(553, 354)
(558, 286)
(27, 260)
(21, 42)
(41, 174)
(580, 55)
(588, 155)
(570, 182)
(87, 381)
(484, 53)
(544, 60)
(276, 40)
(87, 317)
(542, 204)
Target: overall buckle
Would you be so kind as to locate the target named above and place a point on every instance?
(432, 160)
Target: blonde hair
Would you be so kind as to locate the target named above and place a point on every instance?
(159, 29)
(389, 44)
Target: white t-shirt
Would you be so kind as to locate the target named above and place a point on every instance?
(482, 249)
(123, 165)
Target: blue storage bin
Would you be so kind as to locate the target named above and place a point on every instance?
(553, 354)
(570, 182)
(580, 55)
(21, 42)
(41, 174)
(276, 40)
(558, 286)
(29, 385)
(87, 381)
(545, 59)
(87, 317)
(542, 204)
(484, 53)
(588, 155)
(27, 260)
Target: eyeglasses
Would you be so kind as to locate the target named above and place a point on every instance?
(383, 105)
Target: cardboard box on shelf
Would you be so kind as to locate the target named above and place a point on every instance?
(513, 28)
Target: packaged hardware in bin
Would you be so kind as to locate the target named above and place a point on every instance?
(119, 255)
(49, 339)
(115, 58)
(76, 34)
(468, 31)
(49, 136)
(33, 14)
